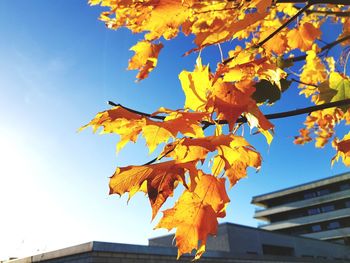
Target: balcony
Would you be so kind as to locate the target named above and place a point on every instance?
(329, 234)
(341, 213)
(303, 203)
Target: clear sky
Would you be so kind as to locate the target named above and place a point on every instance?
(58, 67)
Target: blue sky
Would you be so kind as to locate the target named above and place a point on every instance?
(59, 66)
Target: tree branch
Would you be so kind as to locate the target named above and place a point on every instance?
(329, 13)
(270, 116)
(137, 112)
(308, 109)
(278, 115)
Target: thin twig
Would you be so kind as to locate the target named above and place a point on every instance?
(290, 20)
(137, 112)
(301, 82)
(159, 158)
(328, 13)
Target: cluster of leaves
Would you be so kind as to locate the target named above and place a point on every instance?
(255, 72)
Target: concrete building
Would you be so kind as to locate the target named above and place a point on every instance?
(319, 209)
(234, 243)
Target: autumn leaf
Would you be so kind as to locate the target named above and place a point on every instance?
(160, 180)
(222, 27)
(128, 125)
(303, 36)
(196, 149)
(341, 85)
(235, 159)
(229, 102)
(187, 123)
(145, 58)
(314, 72)
(303, 137)
(195, 214)
(343, 149)
(196, 85)
(268, 28)
(269, 92)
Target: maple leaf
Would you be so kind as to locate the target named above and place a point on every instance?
(229, 102)
(126, 124)
(335, 89)
(187, 123)
(196, 149)
(218, 29)
(195, 214)
(304, 137)
(195, 86)
(303, 36)
(343, 149)
(160, 180)
(269, 92)
(268, 28)
(314, 72)
(145, 58)
(235, 159)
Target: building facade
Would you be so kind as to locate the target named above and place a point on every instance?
(233, 244)
(319, 209)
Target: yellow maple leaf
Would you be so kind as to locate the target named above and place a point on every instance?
(195, 86)
(314, 72)
(145, 58)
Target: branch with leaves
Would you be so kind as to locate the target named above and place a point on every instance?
(278, 115)
(264, 40)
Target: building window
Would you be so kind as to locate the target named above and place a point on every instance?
(309, 195)
(313, 211)
(333, 225)
(327, 208)
(345, 186)
(347, 204)
(323, 192)
(316, 228)
(277, 250)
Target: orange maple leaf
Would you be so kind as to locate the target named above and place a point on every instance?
(145, 58)
(129, 125)
(235, 159)
(195, 214)
(157, 180)
(343, 149)
(303, 36)
(126, 124)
